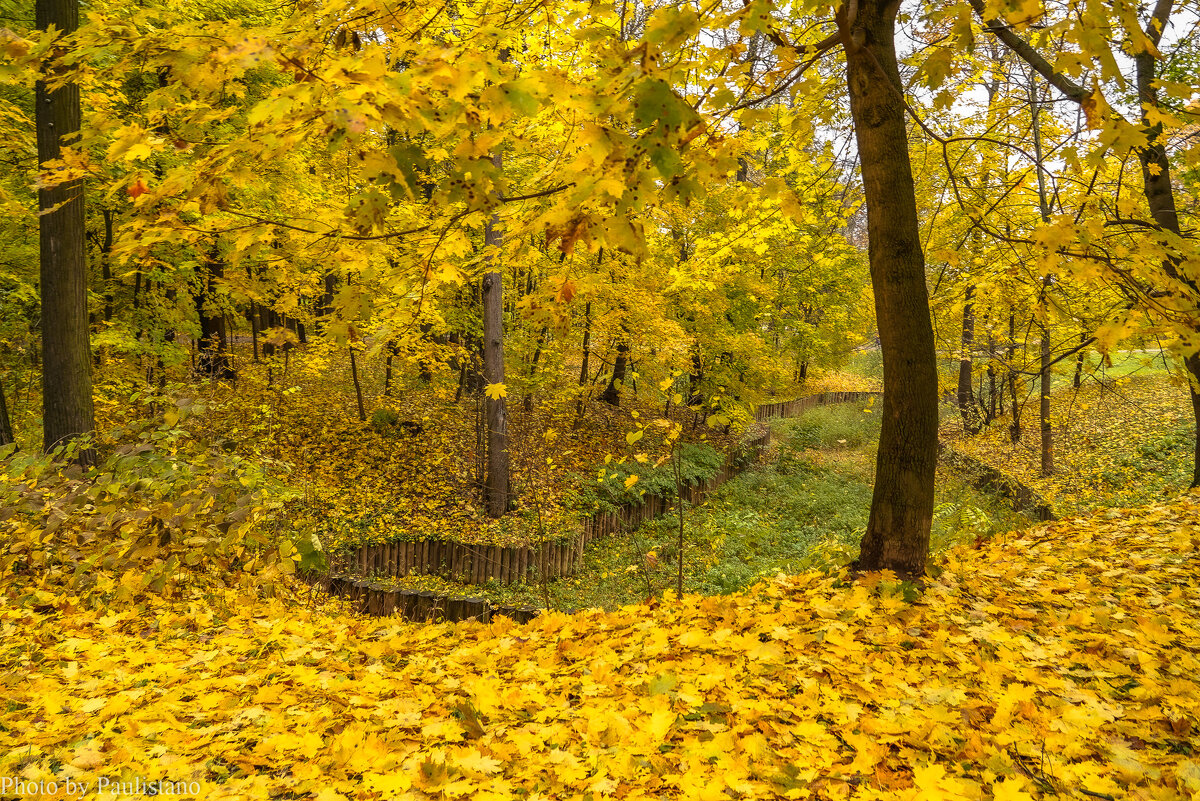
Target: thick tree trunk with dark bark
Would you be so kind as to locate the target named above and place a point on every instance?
(66, 353)
(612, 393)
(1160, 197)
(897, 536)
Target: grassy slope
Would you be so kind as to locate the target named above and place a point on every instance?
(806, 507)
(1057, 660)
(1123, 444)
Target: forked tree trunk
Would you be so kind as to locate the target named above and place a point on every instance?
(897, 536)
(213, 359)
(612, 393)
(67, 410)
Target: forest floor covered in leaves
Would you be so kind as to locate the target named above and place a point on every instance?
(411, 470)
(1120, 442)
(1058, 661)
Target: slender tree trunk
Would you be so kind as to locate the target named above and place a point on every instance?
(966, 399)
(255, 325)
(696, 376)
(587, 344)
(1047, 281)
(1044, 406)
(66, 353)
(897, 536)
(213, 358)
(106, 263)
(497, 482)
(362, 410)
(1014, 429)
(991, 377)
(1077, 382)
(6, 430)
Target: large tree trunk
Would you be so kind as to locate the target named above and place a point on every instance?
(497, 482)
(1160, 194)
(897, 536)
(66, 376)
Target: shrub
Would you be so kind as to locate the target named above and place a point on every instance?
(383, 420)
(843, 425)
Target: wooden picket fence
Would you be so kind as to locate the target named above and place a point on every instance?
(793, 408)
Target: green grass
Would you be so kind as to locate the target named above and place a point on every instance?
(808, 509)
(867, 362)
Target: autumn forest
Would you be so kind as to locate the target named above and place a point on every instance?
(620, 399)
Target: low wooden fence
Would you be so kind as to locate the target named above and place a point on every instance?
(383, 600)
(793, 408)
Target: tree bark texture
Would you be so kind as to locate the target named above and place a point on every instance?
(897, 536)
(612, 393)
(66, 378)
(1160, 194)
(966, 397)
(497, 481)
(1014, 428)
(213, 358)
(6, 430)
(1044, 404)
(362, 409)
